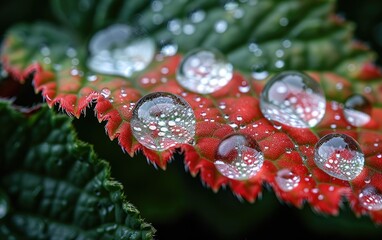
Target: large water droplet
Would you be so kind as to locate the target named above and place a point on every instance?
(117, 50)
(239, 157)
(287, 180)
(357, 110)
(204, 71)
(371, 198)
(161, 120)
(339, 155)
(293, 98)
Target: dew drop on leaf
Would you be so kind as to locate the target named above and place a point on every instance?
(287, 180)
(339, 155)
(161, 120)
(293, 98)
(371, 198)
(221, 26)
(204, 71)
(168, 48)
(357, 110)
(259, 72)
(105, 92)
(197, 16)
(115, 50)
(239, 157)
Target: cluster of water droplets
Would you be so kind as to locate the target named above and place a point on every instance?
(293, 98)
(340, 156)
(116, 50)
(239, 157)
(161, 120)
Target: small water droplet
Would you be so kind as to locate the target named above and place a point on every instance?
(357, 110)
(204, 71)
(168, 48)
(259, 72)
(294, 99)
(371, 198)
(113, 51)
(287, 180)
(92, 78)
(284, 21)
(188, 29)
(105, 92)
(175, 26)
(279, 64)
(244, 89)
(156, 6)
(339, 155)
(165, 120)
(45, 51)
(238, 157)
(221, 26)
(286, 43)
(197, 16)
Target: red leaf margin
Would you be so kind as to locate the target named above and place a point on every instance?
(321, 191)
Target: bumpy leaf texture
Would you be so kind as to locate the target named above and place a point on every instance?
(53, 185)
(268, 36)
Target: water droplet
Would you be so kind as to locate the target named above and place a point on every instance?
(45, 51)
(287, 180)
(371, 198)
(117, 50)
(294, 99)
(169, 48)
(284, 21)
(279, 64)
(286, 43)
(175, 26)
(92, 78)
(105, 92)
(221, 26)
(339, 155)
(164, 120)
(239, 157)
(156, 6)
(188, 29)
(197, 16)
(357, 110)
(259, 72)
(204, 71)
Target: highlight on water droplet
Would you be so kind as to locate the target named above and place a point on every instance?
(287, 180)
(294, 99)
(161, 120)
(339, 155)
(204, 71)
(357, 110)
(371, 198)
(117, 50)
(238, 157)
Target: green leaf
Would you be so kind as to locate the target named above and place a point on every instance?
(54, 186)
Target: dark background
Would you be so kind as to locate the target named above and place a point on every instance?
(178, 205)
